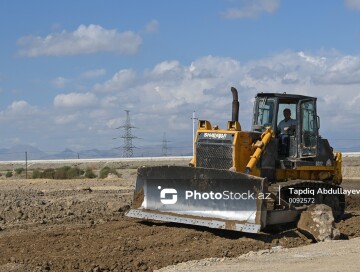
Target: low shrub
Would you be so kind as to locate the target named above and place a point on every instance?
(36, 174)
(67, 172)
(74, 172)
(8, 174)
(48, 173)
(89, 173)
(18, 171)
(106, 171)
(60, 173)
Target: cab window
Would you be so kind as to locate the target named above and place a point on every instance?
(282, 107)
(265, 113)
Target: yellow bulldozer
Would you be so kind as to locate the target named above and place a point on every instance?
(247, 180)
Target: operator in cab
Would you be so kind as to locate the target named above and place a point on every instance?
(286, 127)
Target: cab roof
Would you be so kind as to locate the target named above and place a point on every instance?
(285, 96)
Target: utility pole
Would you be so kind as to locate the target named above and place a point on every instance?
(193, 135)
(26, 165)
(164, 146)
(128, 147)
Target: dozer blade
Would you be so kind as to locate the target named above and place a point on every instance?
(200, 196)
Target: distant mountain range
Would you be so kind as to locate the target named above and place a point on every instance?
(17, 153)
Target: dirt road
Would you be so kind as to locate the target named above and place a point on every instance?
(78, 225)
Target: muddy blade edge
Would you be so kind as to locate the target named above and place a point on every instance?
(200, 196)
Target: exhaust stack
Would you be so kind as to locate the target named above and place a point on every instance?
(235, 105)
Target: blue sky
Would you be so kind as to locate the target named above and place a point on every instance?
(69, 69)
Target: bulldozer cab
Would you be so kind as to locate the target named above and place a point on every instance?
(300, 140)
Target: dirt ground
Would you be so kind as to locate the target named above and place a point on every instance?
(79, 225)
(331, 256)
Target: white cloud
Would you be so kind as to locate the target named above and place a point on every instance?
(20, 107)
(215, 67)
(84, 40)
(18, 111)
(152, 26)
(353, 4)
(167, 68)
(120, 81)
(251, 9)
(170, 89)
(75, 100)
(163, 97)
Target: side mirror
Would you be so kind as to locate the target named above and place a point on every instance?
(318, 121)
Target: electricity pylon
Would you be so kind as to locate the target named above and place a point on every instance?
(128, 146)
